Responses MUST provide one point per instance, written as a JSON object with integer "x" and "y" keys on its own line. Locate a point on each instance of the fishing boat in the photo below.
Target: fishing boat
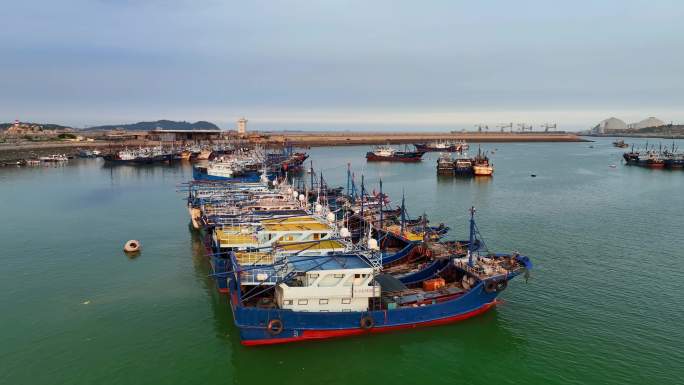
{"x": 442, "y": 146}
{"x": 463, "y": 166}
{"x": 347, "y": 294}
{"x": 141, "y": 155}
{"x": 620, "y": 144}
{"x": 389, "y": 154}
{"x": 481, "y": 165}
{"x": 54, "y": 158}
{"x": 85, "y": 153}
{"x": 204, "y": 154}
{"x": 445, "y": 165}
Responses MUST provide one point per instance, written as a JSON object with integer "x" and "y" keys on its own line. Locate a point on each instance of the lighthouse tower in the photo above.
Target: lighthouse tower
{"x": 242, "y": 126}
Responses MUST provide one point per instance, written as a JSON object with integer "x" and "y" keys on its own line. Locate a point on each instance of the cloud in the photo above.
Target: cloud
{"x": 299, "y": 59}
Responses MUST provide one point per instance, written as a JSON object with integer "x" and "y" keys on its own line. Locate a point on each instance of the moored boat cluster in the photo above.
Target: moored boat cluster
{"x": 655, "y": 158}
{"x": 306, "y": 261}
{"x": 463, "y": 165}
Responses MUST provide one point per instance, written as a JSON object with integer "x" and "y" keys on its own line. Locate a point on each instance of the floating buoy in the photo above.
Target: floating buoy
{"x": 132, "y": 246}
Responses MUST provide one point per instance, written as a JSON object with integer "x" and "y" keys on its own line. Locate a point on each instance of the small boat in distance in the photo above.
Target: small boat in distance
{"x": 481, "y": 165}
{"x": 620, "y": 144}
{"x": 445, "y": 165}
{"x": 54, "y": 158}
{"x": 442, "y": 146}
{"x": 389, "y": 154}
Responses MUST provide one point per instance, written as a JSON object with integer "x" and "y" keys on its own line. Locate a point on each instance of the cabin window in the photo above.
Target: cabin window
{"x": 346, "y": 301}
{"x": 302, "y": 302}
{"x": 330, "y": 280}
{"x": 287, "y": 302}
{"x": 313, "y": 276}
{"x": 357, "y": 275}
{"x": 338, "y": 275}
{"x": 323, "y": 301}
{"x": 316, "y": 236}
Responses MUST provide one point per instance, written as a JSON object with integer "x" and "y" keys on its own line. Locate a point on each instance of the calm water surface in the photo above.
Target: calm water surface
{"x": 604, "y": 304}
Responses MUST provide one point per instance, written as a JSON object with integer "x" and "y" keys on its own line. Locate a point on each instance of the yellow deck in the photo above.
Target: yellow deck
{"x": 313, "y": 226}
{"x": 288, "y": 220}
{"x": 410, "y": 235}
{"x": 254, "y": 258}
{"x": 228, "y": 237}
{"x": 322, "y": 245}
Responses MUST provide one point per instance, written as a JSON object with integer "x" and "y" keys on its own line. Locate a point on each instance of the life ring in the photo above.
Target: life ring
{"x": 132, "y": 246}
{"x": 490, "y": 286}
{"x": 367, "y": 322}
{"x": 274, "y": 327}
{"x": 501, "y": 285}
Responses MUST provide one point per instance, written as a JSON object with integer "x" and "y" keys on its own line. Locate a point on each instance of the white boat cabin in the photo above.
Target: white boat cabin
{"x": 330, "y": 290}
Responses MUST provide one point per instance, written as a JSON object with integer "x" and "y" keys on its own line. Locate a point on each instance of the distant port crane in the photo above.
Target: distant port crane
{"x": 547, "y": 126}
{"x": 481, "y": 126}
{"x": 524, "y": 126}
{"x": 503, "y": 126}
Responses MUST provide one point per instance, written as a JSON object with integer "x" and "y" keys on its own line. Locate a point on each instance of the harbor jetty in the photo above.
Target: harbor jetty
{"x": 349, "y": 138}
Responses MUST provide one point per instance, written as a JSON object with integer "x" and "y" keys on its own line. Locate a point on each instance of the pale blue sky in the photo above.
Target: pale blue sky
{"x": 342, "y": 64}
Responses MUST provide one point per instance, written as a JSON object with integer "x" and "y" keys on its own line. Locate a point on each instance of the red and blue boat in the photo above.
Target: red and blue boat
{"x": 340, "y": 295}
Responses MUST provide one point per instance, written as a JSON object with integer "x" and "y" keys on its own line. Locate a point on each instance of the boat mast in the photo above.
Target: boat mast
{"x": 403, "y": 212}
{"x": 471, "y": 238}
{"x": 348, "y": 177}
{"x": 382, "y": 202}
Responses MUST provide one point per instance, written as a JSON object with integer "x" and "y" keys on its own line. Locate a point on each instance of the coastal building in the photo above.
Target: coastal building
{"x": 242, "y": 126}
{"x": 610, "y": 124}
{"x": 651, "y": 121}
{"x": 616, "y": 125}
{"x": 204, "y": 136}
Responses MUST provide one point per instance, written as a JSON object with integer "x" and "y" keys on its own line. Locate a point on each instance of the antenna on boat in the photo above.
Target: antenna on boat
{"x": 312, "y": 175}
{"x": 348, "y": 177}
{"x": 471, "y": 239}
{"x": 403, "y": 212}
{"x": 362, "y": 196}
{"x": 382, "y": 201}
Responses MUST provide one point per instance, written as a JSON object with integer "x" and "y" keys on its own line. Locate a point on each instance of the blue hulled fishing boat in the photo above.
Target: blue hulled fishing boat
{"x": 336, "y": 295}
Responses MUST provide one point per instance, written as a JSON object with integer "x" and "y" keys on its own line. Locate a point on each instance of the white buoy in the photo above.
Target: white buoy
{"x": 132, "y": 246}
{"x": 318, "y": 208}
{"x": 331, "y": 217}
{"x": 344, "y": 232}
{"x": 373, "y": 244}
{"x": 295, "y": 193}
{"x": 302, "y": 198}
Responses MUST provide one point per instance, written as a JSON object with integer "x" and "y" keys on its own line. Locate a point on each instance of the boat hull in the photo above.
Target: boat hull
{"x": 303, "y": 326}
{"x": 397, "y": 157}
{"x": 321, "y": 334}
{"x": 198, "y": 174}
{"x": 483, "y": 170}
{"x": 427, "y": 148}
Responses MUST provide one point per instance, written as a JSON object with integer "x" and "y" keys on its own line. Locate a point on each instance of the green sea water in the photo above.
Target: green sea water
{"x": 604, "y": 304}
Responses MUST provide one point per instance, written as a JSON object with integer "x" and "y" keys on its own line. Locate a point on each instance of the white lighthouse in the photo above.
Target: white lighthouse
{"x": 242, "y": 126}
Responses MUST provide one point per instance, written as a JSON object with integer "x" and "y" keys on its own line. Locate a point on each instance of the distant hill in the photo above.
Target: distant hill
{"x": 44, "y": 126}
{"x": 159, "y": 124}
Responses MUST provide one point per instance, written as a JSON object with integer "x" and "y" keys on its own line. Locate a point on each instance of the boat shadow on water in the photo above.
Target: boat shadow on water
{"x": 395, "y": 355}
